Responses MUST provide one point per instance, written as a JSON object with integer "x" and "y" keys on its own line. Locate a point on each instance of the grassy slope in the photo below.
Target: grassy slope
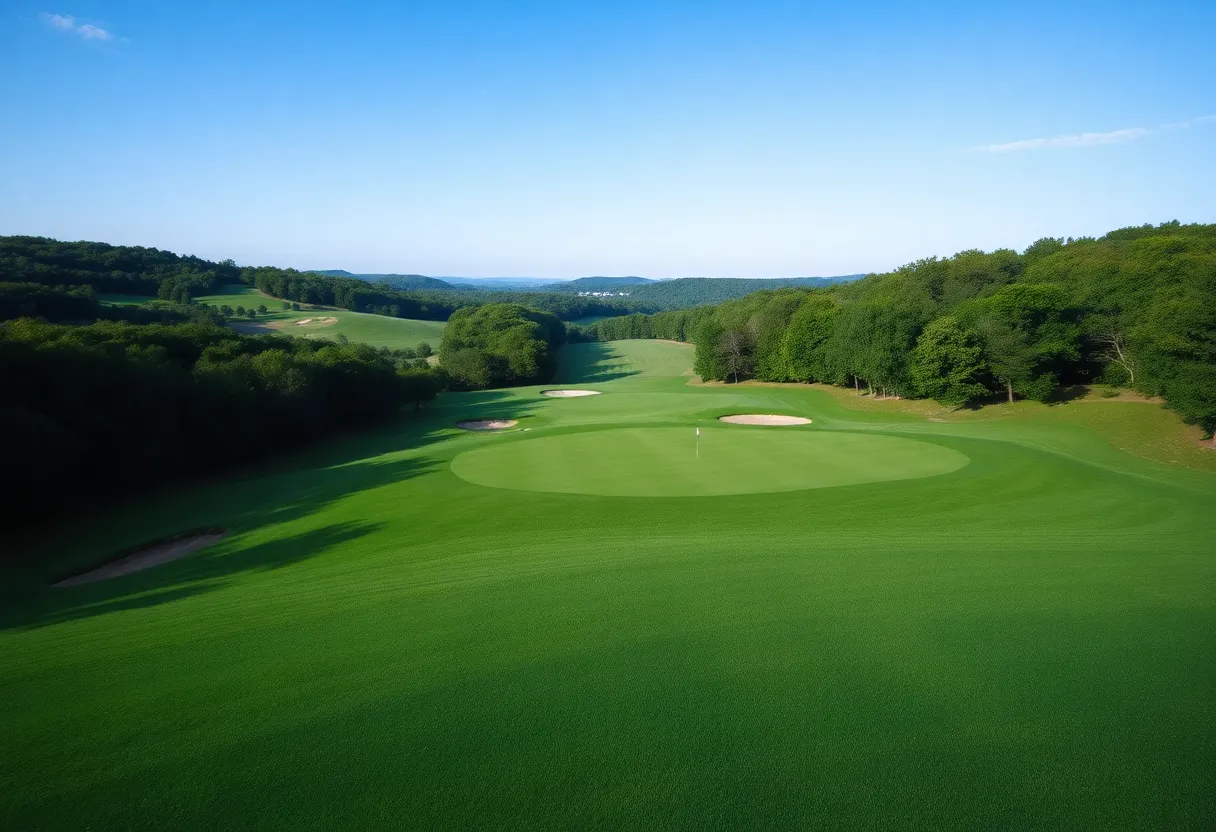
{"x": 1138, "y": 427}
{"x": 377, "y": 330}
{"x": 1025, "y": 642}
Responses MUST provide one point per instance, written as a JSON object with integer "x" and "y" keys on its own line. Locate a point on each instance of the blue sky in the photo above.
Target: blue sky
{"x": 564, "y": 139}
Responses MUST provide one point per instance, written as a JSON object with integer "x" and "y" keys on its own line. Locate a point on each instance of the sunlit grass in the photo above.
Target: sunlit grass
{"x": 1022, "y": 642}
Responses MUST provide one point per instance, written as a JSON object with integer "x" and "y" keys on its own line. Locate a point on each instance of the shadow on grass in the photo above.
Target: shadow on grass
{"x": 279, "y": 491}
{"x": 591, "y": 363}
{"x": 1068, "y": 393}
{"x": 204, "y": 571}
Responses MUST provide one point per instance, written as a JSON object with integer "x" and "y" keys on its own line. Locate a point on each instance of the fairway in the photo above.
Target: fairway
{"x": 673, "y": 462}
{"x": 376, "y": 330}
{"x": 992, "y": 620}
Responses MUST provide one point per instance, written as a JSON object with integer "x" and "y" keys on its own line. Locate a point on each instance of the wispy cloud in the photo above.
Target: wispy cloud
{"x": 1129, "y": 134}
{"x": 67, "y": 23}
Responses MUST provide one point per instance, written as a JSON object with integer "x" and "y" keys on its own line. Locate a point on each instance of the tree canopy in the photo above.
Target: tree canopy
{"x": 500, "y": 344}
{"x": 1136, "y": 307}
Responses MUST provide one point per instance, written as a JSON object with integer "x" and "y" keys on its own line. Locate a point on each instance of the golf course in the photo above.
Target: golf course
{"x": 619, "y": 611}
{"x": 314, "y": 322}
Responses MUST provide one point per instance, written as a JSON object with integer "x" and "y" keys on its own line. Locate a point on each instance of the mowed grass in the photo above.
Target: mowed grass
{"x": 377, "y": 330}
{"x": 677, "y": 462}
{"x": 1023, "y": 642}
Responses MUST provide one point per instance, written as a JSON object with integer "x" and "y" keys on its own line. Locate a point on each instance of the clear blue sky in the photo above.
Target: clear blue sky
{"x": 565, "y": 139}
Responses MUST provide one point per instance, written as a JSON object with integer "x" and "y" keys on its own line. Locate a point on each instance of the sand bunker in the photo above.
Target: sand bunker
{"x": 147, "y": 556}
{"x": 763, "y": 419}
{"x": 323, "y": 321}
{"x": 487, "y": 424}
{"x": 569, "y": 394}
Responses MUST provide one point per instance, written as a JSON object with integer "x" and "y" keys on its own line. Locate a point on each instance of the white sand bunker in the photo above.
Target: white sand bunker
{"x": 486, "y": 424}
{"x": 323, "y": 321}
{"x": 569, "y": 394}
{"x": 763, "y": 419}
{"x": 148, "y": 556}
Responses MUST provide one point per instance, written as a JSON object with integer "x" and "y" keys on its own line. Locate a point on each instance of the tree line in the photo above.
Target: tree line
{"x": 128, "y": 270}
{"x": 1133, "y": 308}
{"x": 115, "y": 406}
{"x": 358, "y": 295}
{"x": 80, "y": 304}
{"x": 137, "y": 270}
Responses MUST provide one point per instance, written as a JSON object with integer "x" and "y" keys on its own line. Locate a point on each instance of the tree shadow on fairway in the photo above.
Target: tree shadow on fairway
{"x": 207, "y": 570}
{"x": 276, "y": 493}
{"x": 591, "y": 364}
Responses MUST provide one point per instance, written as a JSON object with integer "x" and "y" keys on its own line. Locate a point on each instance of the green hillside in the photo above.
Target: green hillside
{"x": 377, "y": 330}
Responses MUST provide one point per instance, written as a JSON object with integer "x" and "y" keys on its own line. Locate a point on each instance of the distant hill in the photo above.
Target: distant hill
{"x": 393, "y": 281}
{"x": 653, "y": 295}
{"x": 599, "y": 284}
{"x": 683, "y": 292}
{"x": 502, "y": 283}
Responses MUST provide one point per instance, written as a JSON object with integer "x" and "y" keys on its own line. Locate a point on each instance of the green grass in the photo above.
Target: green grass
{"x": 377, "y": 330}
{"x": 675, "y": 462}
{"x": 1023, "y": 642}
{"x": 125, "y": 300}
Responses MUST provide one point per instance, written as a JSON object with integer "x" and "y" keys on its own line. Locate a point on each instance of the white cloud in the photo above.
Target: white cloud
{"x": 90, "y": 32}
{"x": 68, "y": 24}
{"x": 1129, "y": 134}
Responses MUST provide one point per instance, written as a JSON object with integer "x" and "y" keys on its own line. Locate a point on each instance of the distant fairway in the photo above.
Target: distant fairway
{"x": 377, "y": 330}
{"x": 1000, "y": 620}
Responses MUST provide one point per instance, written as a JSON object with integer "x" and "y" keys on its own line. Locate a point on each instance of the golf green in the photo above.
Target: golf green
{"x": 676, "y": 462}
{"x": 619, "y": 635}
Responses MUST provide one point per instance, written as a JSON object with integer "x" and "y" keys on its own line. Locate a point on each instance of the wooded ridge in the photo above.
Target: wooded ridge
{"x": 1134, "y": 308}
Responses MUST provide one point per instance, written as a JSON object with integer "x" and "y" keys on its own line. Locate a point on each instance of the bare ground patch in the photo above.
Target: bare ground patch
{"x": 771, "y": 419}
{"x": 487, "y": 424}
{"x": 147, "y": 556}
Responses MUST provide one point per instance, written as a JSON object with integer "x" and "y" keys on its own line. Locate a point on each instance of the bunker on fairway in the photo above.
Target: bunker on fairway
{"x": 770, "y": 419}
{"x": 664, "y": 462}
{"x": 147, "y": 556}
{"x": 569, "y": 394}
{"x": 486, "y": 424}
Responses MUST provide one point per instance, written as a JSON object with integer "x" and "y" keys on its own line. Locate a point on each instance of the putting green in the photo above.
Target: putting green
{"x": 663, "y": 462}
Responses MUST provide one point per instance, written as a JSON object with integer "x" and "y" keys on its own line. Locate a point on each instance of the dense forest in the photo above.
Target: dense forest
{"x": 128, "y": 270}
{"x": 90, "y": 412}
{"x": 1135, "y": 308}
{"x": 500, "y": 344}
